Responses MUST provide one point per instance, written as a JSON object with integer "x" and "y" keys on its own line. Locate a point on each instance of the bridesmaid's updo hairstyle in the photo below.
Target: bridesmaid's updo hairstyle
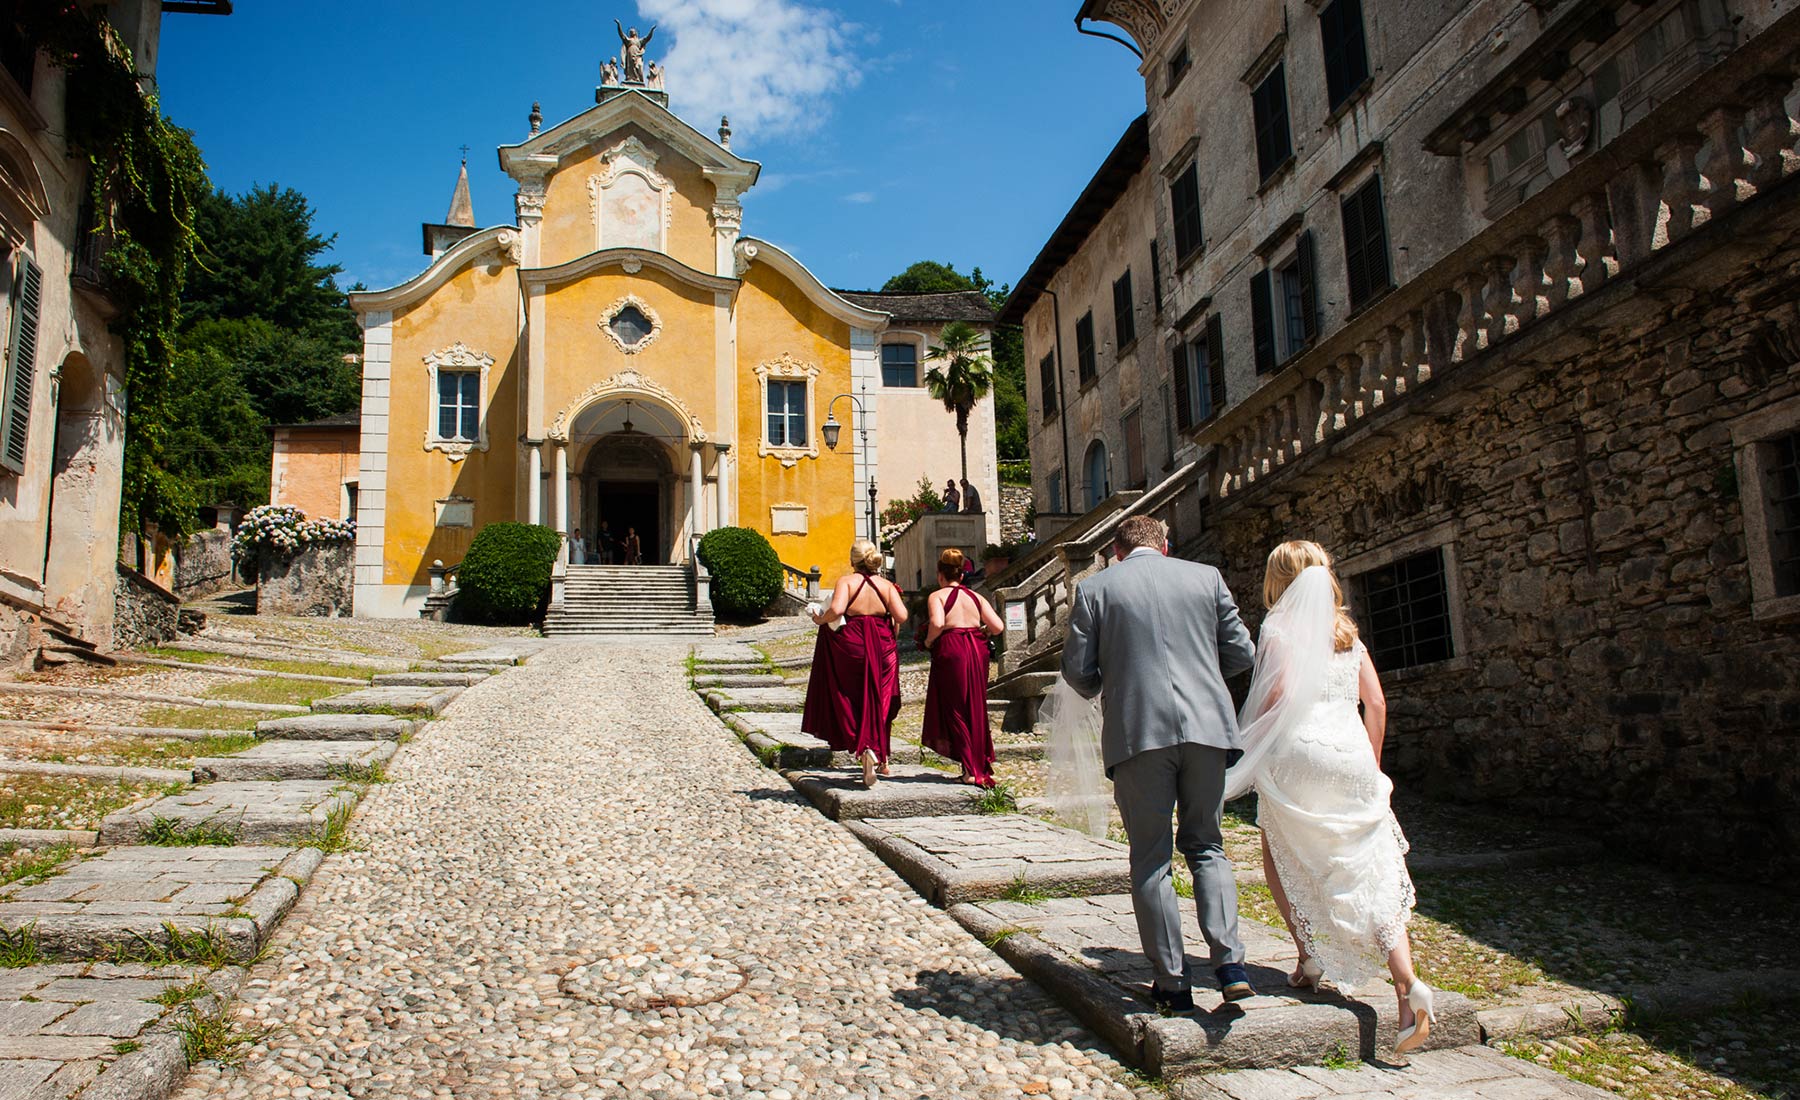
{"x": 1286, "y": 562}
{"x": 950, "y": 564}
{"x": 865, "y": 557}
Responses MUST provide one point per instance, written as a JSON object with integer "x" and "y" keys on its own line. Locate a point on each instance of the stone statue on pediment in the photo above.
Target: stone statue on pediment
{"x": 631, "y": 51}
{"x": 653, "y": 76}
{"x": 609, "y": 72}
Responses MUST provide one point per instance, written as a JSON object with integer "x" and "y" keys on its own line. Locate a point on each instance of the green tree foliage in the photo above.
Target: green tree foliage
{"x": 267, "y": 337}
{"x": 1007, "y": 347}
{"x": 746, "y": 573}
{"x": 505, "y": 575}
{"x": 963, "y": 377}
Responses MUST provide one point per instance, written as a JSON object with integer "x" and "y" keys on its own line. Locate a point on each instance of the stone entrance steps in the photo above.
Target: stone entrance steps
{"x": 626, "y": 599}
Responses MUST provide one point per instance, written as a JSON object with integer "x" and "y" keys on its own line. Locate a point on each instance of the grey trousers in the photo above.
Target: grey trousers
{"x": 1148, "y": 788}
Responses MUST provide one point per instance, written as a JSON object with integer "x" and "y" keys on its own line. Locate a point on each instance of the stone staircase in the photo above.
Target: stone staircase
{"x": 626, "y": 600}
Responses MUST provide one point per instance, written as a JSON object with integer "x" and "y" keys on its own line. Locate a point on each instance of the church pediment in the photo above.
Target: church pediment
{"x": 599, "y": 127}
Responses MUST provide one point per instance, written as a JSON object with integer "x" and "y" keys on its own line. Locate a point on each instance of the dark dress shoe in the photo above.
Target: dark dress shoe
{"x": 1234, "y": 982}
{"x": 1172, "y": 1001}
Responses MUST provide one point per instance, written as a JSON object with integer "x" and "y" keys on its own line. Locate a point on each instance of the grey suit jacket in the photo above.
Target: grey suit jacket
{"x": 1159, "y": 635}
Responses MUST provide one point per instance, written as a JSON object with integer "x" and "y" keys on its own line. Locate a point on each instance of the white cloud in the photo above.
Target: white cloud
{"x": 860, "y": 196}
{"x": 772, "y": 65}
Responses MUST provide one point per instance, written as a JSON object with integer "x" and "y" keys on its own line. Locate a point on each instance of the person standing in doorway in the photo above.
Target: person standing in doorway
{"x": 634, "y": 550}
{"x": 603, "y": 543}
{"x": 1155, "y": 637}
{"x": 577, "y": 548}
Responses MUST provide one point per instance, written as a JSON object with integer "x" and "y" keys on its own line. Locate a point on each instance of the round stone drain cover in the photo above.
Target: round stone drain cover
{"x": 647, "y": 982}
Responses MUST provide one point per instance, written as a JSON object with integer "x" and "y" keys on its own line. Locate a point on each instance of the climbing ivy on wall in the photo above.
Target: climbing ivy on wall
{"x": 145, "y": 178}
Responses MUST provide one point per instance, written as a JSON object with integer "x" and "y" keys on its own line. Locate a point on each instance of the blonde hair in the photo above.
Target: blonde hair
{"x": 866, "y": 557}
{"x": 1286, "y": 562}
{"x": 950, "y": 563}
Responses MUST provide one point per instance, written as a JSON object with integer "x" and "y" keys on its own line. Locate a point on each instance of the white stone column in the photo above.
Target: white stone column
{"x": 696, "y": 487}
{"x": 562, "y": 487}
{"x": 727, "y": 509}
{"x": 534, "y": 475}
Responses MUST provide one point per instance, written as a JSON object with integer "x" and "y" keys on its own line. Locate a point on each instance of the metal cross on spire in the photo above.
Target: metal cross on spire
{"x": 465, "y": 153}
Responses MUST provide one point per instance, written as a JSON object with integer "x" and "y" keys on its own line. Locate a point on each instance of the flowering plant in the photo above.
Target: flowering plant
{"x": 285, "y": 529}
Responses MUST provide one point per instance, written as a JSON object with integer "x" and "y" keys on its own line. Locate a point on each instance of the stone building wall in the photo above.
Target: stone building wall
{"x": 203, "y": 564}
{"x": 316, "y": 582}
{"x": 1610, "y": 663}
{"x": 144, "y": 612}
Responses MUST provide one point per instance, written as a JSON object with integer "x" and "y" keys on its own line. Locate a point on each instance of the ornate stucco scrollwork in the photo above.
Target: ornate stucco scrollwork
{"x": 631, "y": 301}
{"x": 457, "y": 357}
{"x": 786, "y": 368}
{"x": 626, "y": 383}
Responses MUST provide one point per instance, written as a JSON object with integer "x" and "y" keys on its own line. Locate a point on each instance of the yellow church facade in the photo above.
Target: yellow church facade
{"x": 624, "y": 355}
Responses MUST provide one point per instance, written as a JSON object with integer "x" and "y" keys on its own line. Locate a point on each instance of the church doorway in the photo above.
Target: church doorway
{"x": 628, "y": 481}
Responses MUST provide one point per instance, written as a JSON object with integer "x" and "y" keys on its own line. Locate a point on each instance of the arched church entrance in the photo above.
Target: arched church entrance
{"x": 628, "y": 484}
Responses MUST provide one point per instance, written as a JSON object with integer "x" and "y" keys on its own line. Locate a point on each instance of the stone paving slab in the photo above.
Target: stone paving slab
{"x": 909, "y": 792}
{"x": 126, "y": 897}
{"x": 417, "y": 702}
{"x": 49, "y": 838}
{"x": 337, "y": 727}
{"x": 291, "y": 811}
{"x": 979, "y": 857}
{"x": 115, "y": 773}
{"x": 776, "y": 739}
{"x": 428, "y": 679}
{"x": 505, "y": 653}
{"x": 765, "y": 699}
{"x": 708, "y": 653}
{"x": 295, "y": 760}
{"x": 1466, "y": 1073}
{"x": 1086, "y": 952}
{"x": 95, "y": 1029}
{"x": 740, "y": 680}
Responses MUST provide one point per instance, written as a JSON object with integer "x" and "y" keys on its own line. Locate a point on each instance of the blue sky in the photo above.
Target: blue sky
{"x": 888, "y": 130}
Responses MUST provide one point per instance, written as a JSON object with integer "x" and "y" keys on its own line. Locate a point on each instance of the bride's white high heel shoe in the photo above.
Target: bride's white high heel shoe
{"x": 1418, "y": 998}
{"x": 1310, "y": 973}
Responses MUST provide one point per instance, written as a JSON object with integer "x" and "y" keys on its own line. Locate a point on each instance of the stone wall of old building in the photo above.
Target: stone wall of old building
{"x": 203, "y": 564}
{"x": 317, "y": 581}
{"x": 144, "y": 612}
{"x": 1610, "y": 664}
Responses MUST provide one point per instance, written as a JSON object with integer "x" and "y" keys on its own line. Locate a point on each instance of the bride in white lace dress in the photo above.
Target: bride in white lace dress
{"x": 1334, "y": 855}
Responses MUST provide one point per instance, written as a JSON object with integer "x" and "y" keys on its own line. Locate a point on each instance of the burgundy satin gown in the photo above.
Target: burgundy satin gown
{"x": 853, "y": 694}
{"x": 956, "y": 714}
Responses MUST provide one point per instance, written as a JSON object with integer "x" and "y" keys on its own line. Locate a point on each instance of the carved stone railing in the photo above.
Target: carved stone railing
{"x": 443, "y": 591}
{"x": 699, "y": 580}
{"x": 802, "y": 584}
{"x": 1046, "y": 593}
{"x": 1727, "y": 139}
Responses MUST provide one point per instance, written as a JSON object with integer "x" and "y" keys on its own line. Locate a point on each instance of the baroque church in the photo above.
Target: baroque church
{"x": 624, "y": 354}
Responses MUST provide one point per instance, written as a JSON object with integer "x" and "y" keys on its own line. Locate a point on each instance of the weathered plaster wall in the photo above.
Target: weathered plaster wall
{"x": 568, "y": 227}
{"x": 316, "y": 582}
{"x": 310, "y": 468}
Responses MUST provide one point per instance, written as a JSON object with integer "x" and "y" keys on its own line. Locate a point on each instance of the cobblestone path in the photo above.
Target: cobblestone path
{"x": 578, "y": 883}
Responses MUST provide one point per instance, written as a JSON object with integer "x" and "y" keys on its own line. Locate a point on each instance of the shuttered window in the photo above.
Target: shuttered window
{"x": 1184, "y": 202}
{"x": 1131, "y": 426}
{"x": 1346, "y": 53}
{"x": 1262, "y": 321}
{"x": 1274, "y": 144}
{"x": 1214, "y": 376}
{"x": 1184, "y": 387}
{"x": 1199, "y": 373}
{"x": 1365, "y": 244}
{"x": 1047, "y": 384}
{"x": 1306, "y": 268}
{"x": 21, "y": 363}
{"x": 1124, "y": 320}
{"x": 1085, "y": 368}
{"x": 1156, "y": 275}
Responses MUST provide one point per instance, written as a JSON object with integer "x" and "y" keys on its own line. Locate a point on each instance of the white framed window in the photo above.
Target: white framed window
{"x": 458, "y": 384}
{"x": 788, "y": 397}
{"x": 1768, "y": 473}
{"x": 631, "y": 324}
{"x": 900, "y": 364}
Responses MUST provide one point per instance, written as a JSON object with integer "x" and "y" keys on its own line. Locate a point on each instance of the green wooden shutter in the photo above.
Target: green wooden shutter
{"x": 1215, "y": 366}
{"x": 1262, "y": 321}
{"x": 1309, "y": 286}
{"x": 1184, "y": 404}
{"x": 21, "y": 365}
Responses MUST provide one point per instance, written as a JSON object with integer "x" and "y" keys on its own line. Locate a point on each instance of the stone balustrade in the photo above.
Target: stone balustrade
{"x": 1726, "y": 140}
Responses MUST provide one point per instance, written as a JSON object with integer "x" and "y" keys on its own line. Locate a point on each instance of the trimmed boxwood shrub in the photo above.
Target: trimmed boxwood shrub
{"x": 505, "y": 576}
{"x": 746, "y": 574}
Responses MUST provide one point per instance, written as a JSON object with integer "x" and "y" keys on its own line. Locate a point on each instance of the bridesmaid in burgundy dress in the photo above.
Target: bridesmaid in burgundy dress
{"x": 956, "y": 716}
{"x": 853, "y": 693}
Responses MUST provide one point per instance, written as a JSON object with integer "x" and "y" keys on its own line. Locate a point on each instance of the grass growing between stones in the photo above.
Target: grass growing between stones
{"x": 199, "y": 718}
{"x": 264, "y": 664}
{"x": 63, "y": 802}
{"x": 363, "y": 774}
{"x": 20, "y": 948}
{"x": 1001, "y": 936}
{"x": 1748, "y": 1052}
{"x": 168, "y": 832}
{"x": 25, "y": 867}
{"x": 182, "y": 994}
{"x": 204, "y": 947}
{"x": 1020, "y": 890}
{"x": 209, "y": 1035}
{"x": 139, "y": 752}
{"x": 998, "y": 799}
{"x": 335, "y": 837}
{"x": 294, "y": 692}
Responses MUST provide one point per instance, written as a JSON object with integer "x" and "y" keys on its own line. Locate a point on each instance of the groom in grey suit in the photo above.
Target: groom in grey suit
{"x": 1159, "y": 635}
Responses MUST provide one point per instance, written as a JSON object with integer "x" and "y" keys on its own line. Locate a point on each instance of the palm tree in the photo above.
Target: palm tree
{"x": 965, "y": 378}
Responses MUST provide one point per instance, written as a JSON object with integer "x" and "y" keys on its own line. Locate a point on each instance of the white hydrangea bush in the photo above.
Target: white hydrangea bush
{"x": 284, "y": 529}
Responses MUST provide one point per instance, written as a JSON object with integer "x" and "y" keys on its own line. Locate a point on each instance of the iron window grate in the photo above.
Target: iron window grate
{"x": 1784, "y": 514}
{"x": 1406, "y": 605}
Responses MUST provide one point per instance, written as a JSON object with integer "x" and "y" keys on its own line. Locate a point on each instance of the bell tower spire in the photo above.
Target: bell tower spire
{"x": 460, "y": 221}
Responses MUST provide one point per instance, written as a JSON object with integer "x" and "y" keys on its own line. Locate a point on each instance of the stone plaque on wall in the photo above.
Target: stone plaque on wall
{"x": 456, "y": 512}
{"x": 787, "y": 519}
